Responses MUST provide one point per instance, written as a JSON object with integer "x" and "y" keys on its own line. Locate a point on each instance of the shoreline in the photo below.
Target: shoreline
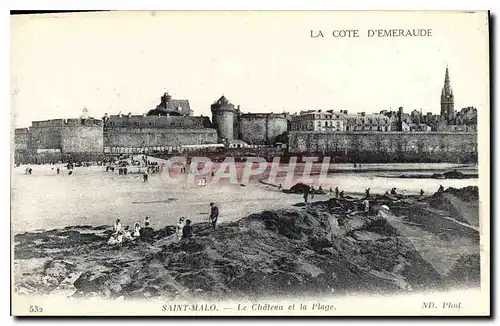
{"x": 272, "y": 252}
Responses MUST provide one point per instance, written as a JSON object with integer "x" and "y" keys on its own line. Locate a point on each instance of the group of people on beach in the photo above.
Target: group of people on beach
{"x": 121, "y": 235}
{"x": 183, "y": 229}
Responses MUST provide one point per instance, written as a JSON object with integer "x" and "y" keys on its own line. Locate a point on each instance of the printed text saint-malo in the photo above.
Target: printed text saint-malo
{"x": 354, "y": 33}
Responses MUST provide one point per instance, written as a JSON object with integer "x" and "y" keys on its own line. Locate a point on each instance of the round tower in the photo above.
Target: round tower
{"x": 223, "y": 113}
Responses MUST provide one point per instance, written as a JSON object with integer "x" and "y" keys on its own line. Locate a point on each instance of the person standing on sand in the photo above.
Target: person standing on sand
{"x": 214, "y": 215}
{"x": 179, "y": 227}
{"x": 58, "y": 170}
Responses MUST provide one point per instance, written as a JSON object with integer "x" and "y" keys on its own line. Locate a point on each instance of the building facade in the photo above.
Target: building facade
{"x": 367, "y": 122}
{"x": 318, "y": 120}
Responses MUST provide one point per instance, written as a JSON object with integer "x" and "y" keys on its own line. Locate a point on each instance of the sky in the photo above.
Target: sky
{"x": 263, "y": 61}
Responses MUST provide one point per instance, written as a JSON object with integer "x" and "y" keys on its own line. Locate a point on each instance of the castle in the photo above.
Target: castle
{"x": 171, "y": 127}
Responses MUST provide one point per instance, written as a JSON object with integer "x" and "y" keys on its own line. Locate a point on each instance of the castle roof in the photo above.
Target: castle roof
{"x": 171, "y": 106}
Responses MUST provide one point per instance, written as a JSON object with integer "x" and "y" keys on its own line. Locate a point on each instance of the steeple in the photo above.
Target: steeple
{"x": 447, "y": 98}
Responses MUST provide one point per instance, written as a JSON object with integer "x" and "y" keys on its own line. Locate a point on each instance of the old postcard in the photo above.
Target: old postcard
{"x": 250, "y": 163}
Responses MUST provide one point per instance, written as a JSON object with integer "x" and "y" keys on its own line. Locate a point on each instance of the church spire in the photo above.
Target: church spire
{"x": 447, "y": 98}
{"x": 447, "y": 85}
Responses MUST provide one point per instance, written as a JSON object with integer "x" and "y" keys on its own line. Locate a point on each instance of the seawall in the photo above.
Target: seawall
{"x": 388, "y": 146}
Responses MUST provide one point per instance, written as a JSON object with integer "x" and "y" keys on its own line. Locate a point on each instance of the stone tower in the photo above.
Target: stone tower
{"x": 447, "y": 99}
{"x": 223, "y": 113}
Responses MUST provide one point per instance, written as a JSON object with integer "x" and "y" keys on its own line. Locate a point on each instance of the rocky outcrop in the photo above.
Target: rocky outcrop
{"x": 322, "y": 248}
{"x": 465, "y": 272}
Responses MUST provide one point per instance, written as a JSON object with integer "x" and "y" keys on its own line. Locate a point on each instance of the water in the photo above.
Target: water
{"x": 91, "y": 196}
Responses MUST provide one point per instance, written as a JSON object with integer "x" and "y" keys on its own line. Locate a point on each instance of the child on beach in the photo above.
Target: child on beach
{"x": 137, "y": 228}
{"x": 127, "y": 235}
{"x": 118, "y": 226}
{"x": 116, "y": 239}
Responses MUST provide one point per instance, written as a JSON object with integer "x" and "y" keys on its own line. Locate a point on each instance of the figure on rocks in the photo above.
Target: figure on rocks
{"x": 336, "y": 192}
{"x": 179, "y": 227}
{"x": 383, "y": 211}
{"x": 214, "y": 215}
{"x": 118, "y": 226}
{"x": 116, "y": 239}
{"x": 421, "y": 192}
{"x": 441, "y": 188}
{"x": 334, "y": 227}
{"x": 146, "y": 232}
{"x": 187, "y": 230}
{"x": 367, "y": 192}
{"x": 366, "y": 205}
{"x": 306, "y": 194}
{"x": 137, "y": 229}
{"x": 127, "y": 235}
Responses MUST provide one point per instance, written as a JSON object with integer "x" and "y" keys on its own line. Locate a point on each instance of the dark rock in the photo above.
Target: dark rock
{"x": 466, "y": 271}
